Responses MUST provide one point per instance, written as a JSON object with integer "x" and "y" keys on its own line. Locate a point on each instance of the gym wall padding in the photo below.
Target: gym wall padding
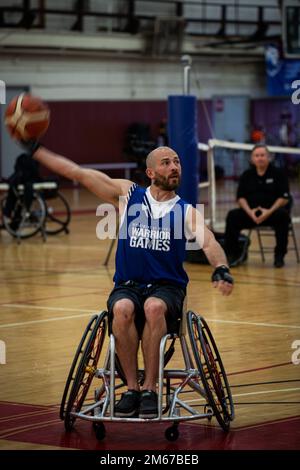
{"x": 183, "y": 138}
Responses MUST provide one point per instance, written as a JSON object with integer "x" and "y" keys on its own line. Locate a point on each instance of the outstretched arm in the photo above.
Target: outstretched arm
{"x": 95, "y": 181}
{"x": 214, "y": 252}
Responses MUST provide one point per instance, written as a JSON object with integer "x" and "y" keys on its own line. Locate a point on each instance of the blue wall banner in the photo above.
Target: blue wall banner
{"x": 281, "y": 73}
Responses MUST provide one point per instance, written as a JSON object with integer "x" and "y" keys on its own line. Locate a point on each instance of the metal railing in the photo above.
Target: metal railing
{"x": 137, "y": 18}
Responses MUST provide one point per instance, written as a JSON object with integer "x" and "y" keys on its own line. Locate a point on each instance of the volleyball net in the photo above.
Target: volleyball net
{"x": 223, "y": 162}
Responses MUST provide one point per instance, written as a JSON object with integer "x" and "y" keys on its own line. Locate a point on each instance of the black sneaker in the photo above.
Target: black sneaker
{"x": 128, "y": 405}
{"x": 278, "y": 261}
{"x": 148, "y": 404}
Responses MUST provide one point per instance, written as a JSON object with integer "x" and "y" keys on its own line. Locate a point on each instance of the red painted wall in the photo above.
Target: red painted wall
{"x": 93, "y": 132}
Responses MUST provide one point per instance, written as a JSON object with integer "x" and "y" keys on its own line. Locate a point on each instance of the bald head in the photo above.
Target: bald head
{"x": 163, "y": 168}
{"x": 157, "y": 154}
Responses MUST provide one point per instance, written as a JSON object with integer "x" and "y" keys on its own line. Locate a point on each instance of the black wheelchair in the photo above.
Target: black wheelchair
{"x": 49, "y": 212}
{"x": 198, "y": 391}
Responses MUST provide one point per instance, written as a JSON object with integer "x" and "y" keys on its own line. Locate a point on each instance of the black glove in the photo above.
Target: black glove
{"x": 30, "y": 146}
{"x": 222, "y": 273}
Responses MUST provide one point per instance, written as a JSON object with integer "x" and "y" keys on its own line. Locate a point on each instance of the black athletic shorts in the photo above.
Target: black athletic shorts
{"x": 172, "y": 295}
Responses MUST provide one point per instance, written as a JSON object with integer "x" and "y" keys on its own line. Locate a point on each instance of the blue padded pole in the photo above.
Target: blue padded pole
{"x": 183, "y": 138}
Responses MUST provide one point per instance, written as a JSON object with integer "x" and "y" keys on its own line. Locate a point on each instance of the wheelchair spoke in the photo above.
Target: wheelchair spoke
{"x": 58, "y": 215}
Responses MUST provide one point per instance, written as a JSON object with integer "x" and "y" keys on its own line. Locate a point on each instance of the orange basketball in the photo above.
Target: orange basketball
{"x": 27, "y": 117}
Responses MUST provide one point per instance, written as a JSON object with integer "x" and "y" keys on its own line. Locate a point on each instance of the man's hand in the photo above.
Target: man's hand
{"x": 223, "y": 280}
{"x": 265, "y": 213}
{"x": 252, "y": 214}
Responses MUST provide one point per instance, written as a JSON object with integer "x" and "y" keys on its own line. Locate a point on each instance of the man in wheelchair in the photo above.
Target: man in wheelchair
{"x": 150, "y": 281}
{"x": 26, "y": 172}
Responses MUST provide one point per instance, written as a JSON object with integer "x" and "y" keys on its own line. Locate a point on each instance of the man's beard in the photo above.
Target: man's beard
{"x": 165, "y": 183}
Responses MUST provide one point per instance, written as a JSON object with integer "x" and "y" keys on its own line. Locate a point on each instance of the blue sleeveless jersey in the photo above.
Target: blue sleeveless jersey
{"x": 151, "y": 249}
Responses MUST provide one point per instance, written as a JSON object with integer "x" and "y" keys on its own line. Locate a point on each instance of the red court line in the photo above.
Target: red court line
{"x": 84, "y": 212}
{"x": 19, "y": 405}
{"x": 18, "y": 416}
{"x": 273, "y": 421}
{"x": 259, "y": 368}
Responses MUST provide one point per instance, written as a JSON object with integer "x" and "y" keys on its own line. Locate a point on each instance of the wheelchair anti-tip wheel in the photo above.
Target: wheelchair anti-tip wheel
{"x": 211, "y": 370}
{"x": 172, "y": 433}
{"x": 99, "y": 429}
{"x": 83, "y": 368}
{"x": 23, "y": 223}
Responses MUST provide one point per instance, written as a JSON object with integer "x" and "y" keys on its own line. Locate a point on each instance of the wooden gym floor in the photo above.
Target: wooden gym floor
{"x": 49, "y": 291}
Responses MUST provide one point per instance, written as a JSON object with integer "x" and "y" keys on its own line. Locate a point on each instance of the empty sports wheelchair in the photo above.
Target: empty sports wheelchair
{"x": 199, "y": 390}
{"x": 49, "y": 211}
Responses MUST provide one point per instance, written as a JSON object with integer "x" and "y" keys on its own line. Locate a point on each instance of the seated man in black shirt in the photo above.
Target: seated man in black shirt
{"x": 263, "y": 195}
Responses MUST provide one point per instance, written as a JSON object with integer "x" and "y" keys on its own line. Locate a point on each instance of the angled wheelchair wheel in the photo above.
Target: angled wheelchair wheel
{"x": 83, "y": 368}
{"x": 211, "y": 369}
{"x": 23, "y": 223}
{"x": 58, "y": 215}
